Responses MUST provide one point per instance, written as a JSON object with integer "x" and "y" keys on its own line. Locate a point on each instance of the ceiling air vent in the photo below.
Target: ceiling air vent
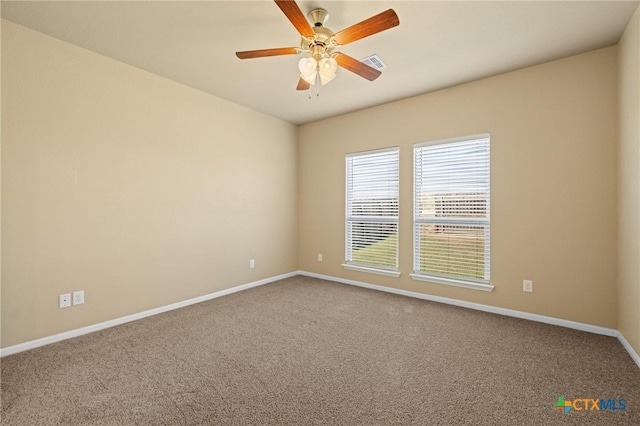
{"x": 374, "y": 61}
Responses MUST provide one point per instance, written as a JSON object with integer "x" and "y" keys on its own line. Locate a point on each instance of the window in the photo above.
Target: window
{"x": 451, "y": 212}
{"x": 372, "y": 212}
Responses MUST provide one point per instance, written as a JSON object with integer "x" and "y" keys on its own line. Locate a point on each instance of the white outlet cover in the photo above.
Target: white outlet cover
{"x": 252, "y": 263}
{"x": 319, "y": 257}
{"x": 78, "y": 297}
{"x": 64, "y": 300}
{"x": 527, "y": 285}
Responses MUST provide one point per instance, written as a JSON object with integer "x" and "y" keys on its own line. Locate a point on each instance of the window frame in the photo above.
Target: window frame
{"x": 361, "y": 267}
{"x": 464, "y": 282}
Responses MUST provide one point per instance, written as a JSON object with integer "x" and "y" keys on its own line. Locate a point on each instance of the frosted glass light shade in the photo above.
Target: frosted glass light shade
{"x": 308, "y": 69}
{"x": 327, "y": 68}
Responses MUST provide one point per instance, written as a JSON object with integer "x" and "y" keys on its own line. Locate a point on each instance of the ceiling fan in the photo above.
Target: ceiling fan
{"x": 319, "y": 43}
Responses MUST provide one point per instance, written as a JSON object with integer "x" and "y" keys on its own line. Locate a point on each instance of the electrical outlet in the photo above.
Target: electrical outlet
{"x": 527, "y": 286}
{"x": 78, "y": 297}
{"x": 64, "y": 300}
{"x": 252, "y": 264}
{"x": 319, "y": 257}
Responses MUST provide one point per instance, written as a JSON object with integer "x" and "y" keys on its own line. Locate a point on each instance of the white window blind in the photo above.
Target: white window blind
{"x": 372, "y": 209}
{"x": 451, "y": 209}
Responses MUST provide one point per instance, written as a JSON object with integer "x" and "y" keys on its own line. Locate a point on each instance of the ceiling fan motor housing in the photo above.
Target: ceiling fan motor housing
{"x": 321, "y": 43}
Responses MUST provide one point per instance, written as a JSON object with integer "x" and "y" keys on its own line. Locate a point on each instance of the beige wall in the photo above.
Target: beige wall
{"x": 629, "y": 185}
{"x": 1, "y": 21}
{"x": 553, "y": 169}
{"x": 138, "y": 190}
{"x": 144, "y": 192}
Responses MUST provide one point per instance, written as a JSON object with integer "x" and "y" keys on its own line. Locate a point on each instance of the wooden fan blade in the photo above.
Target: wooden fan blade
{"x": 375, "y": 24}
{"x": 355, "y": 66}
{"x": 303, "y": 84}
{"x": 295, "y": 15}
{"x": 249, "y": 54}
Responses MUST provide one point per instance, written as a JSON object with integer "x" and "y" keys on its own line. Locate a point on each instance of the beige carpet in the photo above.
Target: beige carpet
{"x": 304, "y": 351}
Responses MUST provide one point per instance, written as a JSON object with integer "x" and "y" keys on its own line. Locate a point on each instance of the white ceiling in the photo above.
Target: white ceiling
{"x": 437, "y": 45}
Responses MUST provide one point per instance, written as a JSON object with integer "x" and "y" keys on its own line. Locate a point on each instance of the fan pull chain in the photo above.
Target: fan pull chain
{"x": 318, "y": 84}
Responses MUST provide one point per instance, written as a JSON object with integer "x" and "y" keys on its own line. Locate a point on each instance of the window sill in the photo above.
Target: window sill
{"x": 449, "y": 281}
{"x": 372, "y": 270}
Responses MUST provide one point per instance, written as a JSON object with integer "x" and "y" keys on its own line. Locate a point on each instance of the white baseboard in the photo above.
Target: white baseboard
{"x": 629, "y": 348}
{"x": 10, "y": 350}
{"x": 596, "y": 329}
{"x": 477, "y": 306}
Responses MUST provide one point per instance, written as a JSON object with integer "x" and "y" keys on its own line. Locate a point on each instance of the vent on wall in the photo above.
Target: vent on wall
{"x": 374, "y": 61}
